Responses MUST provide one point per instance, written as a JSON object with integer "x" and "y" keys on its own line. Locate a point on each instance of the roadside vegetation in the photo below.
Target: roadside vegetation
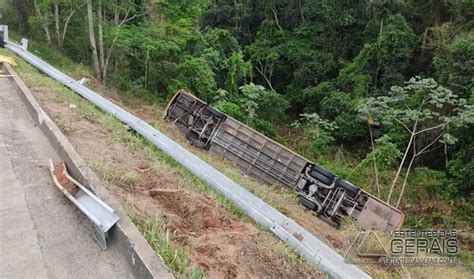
{"x": 379, "y": 92}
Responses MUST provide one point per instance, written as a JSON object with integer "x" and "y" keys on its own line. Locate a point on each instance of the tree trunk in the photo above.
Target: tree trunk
{"x": 101, "y": 42}
{"x": 375, "y": 162}
{"x": 109, "y": 52}
{"x": 301, "y": 11}
{"x": 44, "y": 21}
{"x": 381, "y": 28}
{"x": 236, "y": 14}
{"x": 406, "y": 176}
{"x": 446, "y": 160}
{"x": 95, "y": 57}
{"x": 276, "y": 18}
{"x": 66, "y": 24}
{"x": 146, "y": 67}
{"x": 56, "y": 23}
{"x": 400, "y": 167}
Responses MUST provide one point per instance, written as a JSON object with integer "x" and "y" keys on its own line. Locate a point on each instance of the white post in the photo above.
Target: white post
{"x": 4, "y": 29}
{"x": 24, "y": 44}
{"x": 83, "y": 81}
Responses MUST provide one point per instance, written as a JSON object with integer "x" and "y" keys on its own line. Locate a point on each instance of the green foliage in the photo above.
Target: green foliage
{"x": 312, "y": 96}
{"x": 385, "y": 60}
{"x": 454, "y": 64}
{"x": 423, "y": 109}
{"x": 386, "y": 153}
{"x": 338, "y": 107}
{"x": 317, "y": 130}
{"x": 222, "y": 41}
{"x": 257, "y": 101}
{"x": 251, "y": 93}
{"x": 232, "y": 110}
{"x": 196, "y": 75}
{"x": 422, "y": 105}
{"x": 272, "y": 107}
{"x": 427, "y": 183}
{"x": 227, "y": 61}
{"x": 239, "y": 72}
{"x": 265, "y": 127}
{"x": 460, "y": 172}
{"x": 144, "y": 56}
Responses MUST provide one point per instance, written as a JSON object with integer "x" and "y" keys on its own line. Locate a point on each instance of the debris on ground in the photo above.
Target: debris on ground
{"x": 63, "y": 180}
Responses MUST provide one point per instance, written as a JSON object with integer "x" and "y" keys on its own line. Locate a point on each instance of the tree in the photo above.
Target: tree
{"x": 426, "y": 112}
{"x": 317, "y": 130}
{"x": 196, "y": 75}
{"x": 239, "y": 72}
{"x": 123, "y": 12}
{"x": 382, "y": 63}
{"x": 264, "y": 52}
{"x": 381, "y": 10}
{"x": 61, "y": 12}
{"x": 251, "y": 93}
{"x": 44, "y": 19}
{"x": 227, "y": 60}
{"x": 338, "y": 107}
{"x": 383, "y": 155}
{"x": 93, "y": 45}
{"x": 454, "y": 63}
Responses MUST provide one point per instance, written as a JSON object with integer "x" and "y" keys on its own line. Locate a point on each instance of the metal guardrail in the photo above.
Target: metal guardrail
{"x": 305, "y": 243}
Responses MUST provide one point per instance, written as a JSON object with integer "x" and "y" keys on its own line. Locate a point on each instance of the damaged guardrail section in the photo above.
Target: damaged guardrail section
{"x": 305, "y": 243}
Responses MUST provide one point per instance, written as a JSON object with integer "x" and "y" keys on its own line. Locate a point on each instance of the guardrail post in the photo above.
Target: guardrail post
{"x": 83, "y": 81}
{"x": 4, "y": 30}
{"x": 24, "y": 44}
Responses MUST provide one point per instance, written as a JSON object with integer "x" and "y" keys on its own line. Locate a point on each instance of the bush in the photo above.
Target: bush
{"x": 196, "y": 75}
{"x": 264, "y": 127}
{"x": 317, "y": 131}
{"x": 232, "y": 110}
{"x": 426, "y": 184}
{"x": 313, "y": 95}
{"x": 338, "y": 107}
{"x": 460, "y": 172}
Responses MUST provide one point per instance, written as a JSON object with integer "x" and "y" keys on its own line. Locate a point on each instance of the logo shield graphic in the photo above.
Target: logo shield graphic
{"x": 368, "y": 247}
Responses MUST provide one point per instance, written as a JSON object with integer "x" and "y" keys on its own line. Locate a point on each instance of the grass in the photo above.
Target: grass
{"x": 115, "y": 175}
{"x": 159, "y": 239}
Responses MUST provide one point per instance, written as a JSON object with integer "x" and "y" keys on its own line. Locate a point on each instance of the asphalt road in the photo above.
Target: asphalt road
{"x": 42, "y": 234}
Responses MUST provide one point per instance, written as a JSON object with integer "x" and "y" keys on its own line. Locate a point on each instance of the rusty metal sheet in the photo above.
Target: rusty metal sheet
{"x": 378, "y": 215}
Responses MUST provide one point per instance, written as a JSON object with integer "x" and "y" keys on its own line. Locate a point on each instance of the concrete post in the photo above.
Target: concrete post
{"x": 4, "y": 30}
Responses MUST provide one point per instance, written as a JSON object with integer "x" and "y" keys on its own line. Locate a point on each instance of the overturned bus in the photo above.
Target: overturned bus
{"x": 331, "y": 197}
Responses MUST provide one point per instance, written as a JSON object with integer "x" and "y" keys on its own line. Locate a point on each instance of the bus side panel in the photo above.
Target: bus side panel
{"x": 378, "y": 215}
{"x": 257, "y": 155}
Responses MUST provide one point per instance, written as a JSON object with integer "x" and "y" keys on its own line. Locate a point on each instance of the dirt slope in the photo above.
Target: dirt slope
{"x": 223, "y": 246}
